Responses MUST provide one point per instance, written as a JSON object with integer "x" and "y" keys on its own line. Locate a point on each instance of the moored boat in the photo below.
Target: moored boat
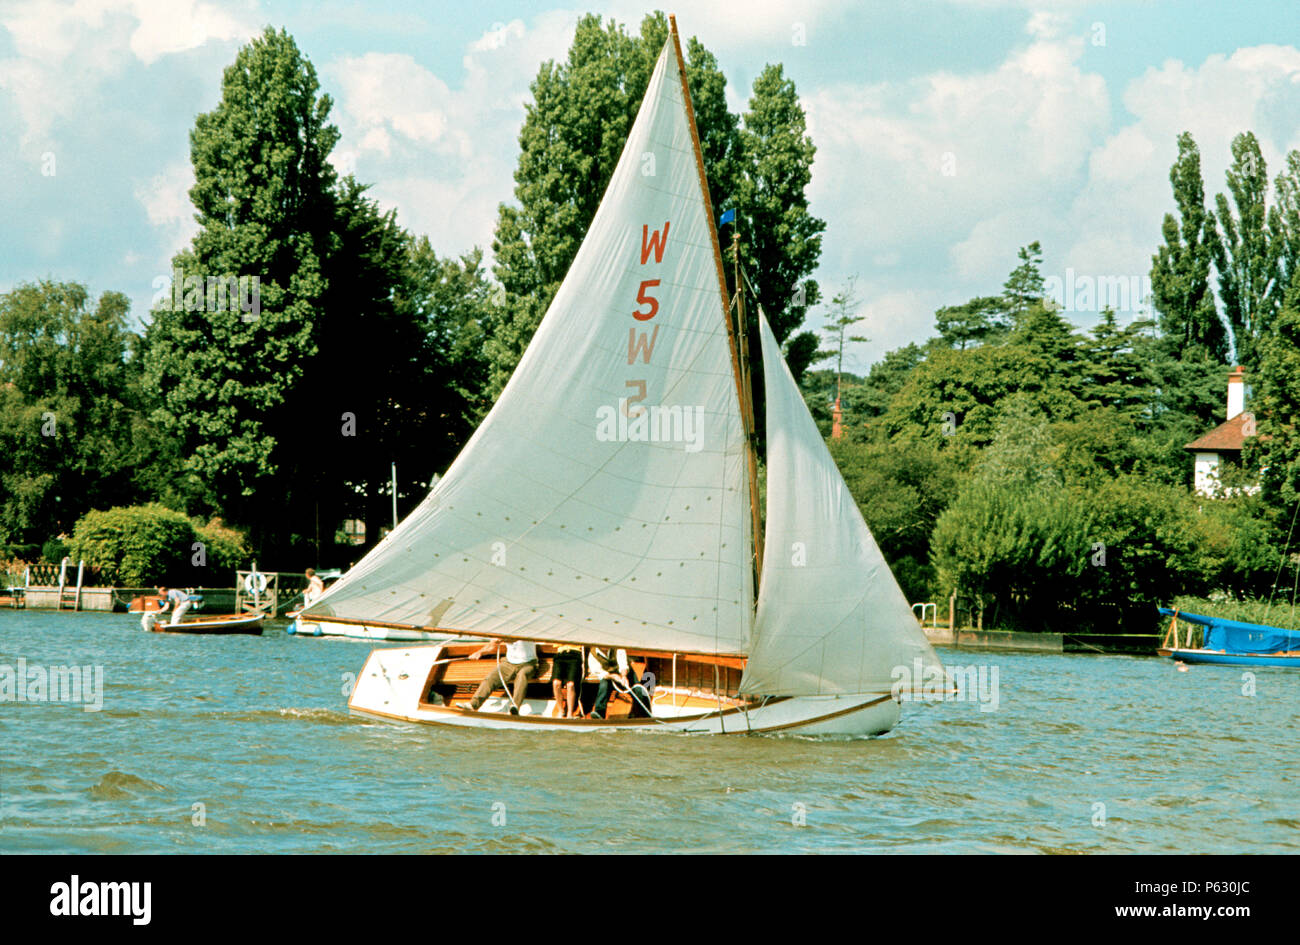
{"x": 361, "y": 631}
{"x": 1228, "y": 642}
{"x": 610, "y": 499}
{"x": 214, "y": 624}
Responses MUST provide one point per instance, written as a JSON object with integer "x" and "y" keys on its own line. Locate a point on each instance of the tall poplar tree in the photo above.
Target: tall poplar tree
{"x": 263, "y": 201}
{"x": 782, "y": 240}
{"x": 1244, "y": 255}
{"x": 1284, "y": 222}
{"x": 1180, "y": 268}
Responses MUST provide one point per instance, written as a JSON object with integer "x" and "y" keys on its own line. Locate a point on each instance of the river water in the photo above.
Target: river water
{"x": 244, "y": 744}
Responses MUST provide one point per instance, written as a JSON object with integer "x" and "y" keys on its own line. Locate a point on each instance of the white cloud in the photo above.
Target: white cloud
{"x": 172, "y": 26}
{"x": 166, "y": 202}
{"x": 955, "y": 172}
{"x": 958, "y": 164}
{"x": 442, "y": 148}
{"x": 1115, "y": 217}
{"x": 444, "y": 155}
{"x": 63, "y": 51}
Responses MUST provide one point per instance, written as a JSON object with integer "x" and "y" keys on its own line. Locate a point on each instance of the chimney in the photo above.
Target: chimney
{"x": 1236, "y": 392}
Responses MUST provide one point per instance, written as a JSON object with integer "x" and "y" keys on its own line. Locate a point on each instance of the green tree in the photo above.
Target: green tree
{"x": 1180, "y": 269}
{"x": 887, "y": 377}
{"x": 842, "y": 317}
{"x": 1024, "y": 287}
{"x": 1284, "y": 222}
{"x": 1115, "y": 372}
{"x": 1276, "y": 448}
{"x": 370, "y": 364}
{"x": 453, "y": 300}
{"x": 781, "y": 239}
{"x": 1013, "y": 529}
{"x": 1244, "y": 254}
{"x": 72, "y": 431}
{"x": 223, "y": 373}
{"x": 978, "y": 321}
{"x": 1146, "y": 543}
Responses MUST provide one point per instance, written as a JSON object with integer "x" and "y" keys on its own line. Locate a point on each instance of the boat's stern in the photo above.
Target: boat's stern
{"x": 392, "y": 681}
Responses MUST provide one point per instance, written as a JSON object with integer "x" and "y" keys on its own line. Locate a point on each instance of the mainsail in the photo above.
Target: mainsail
{"x": 831, "y": 618}
{"x": 604, "y": 499}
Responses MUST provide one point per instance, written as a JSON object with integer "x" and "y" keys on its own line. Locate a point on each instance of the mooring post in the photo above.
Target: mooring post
{"x": 63, "y": 581}
{"x": 81, "y": 567}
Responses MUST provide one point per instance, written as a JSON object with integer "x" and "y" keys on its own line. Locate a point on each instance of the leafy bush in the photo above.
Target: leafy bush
{"x": 1147, "y": 543}
{"x": 226, "y": 548}
{"x": 140, "y": 546}
{"x": 1277, "y": 613}
{"x": 21, "y": 552}
{"x": 1002, "y": 545}
{"x": 54, "y": 550}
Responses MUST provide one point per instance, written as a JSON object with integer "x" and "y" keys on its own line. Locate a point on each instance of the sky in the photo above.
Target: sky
{"x": 948, "y": 132}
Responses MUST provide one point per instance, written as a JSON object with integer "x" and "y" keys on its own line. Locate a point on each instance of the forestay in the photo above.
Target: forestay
{"x": 831, "y": 618}
{"x": 604, "y": 498}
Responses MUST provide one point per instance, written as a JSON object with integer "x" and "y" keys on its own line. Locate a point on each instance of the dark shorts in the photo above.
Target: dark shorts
{"x": 567, "y": 667}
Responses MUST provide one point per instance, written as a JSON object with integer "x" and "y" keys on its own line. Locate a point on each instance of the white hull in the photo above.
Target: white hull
{"x": 328, "y": 628}
{"x": 391, "y": 686}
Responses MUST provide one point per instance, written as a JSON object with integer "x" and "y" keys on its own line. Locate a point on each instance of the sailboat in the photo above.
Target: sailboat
{"x": 1229, "y": 642}
{"x": 610, "y": 499}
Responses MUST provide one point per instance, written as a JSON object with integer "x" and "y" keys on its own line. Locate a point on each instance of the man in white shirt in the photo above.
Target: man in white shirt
{"x": 518, "y": 667}
{"x": 615, "y": 668}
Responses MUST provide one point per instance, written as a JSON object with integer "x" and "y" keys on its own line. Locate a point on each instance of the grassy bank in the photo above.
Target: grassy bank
{"x": 1280, "y": 614}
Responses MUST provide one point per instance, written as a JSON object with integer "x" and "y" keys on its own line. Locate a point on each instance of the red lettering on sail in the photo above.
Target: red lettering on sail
{"x": 628, "y": 409}
{"x": 656, "y": 242}
{"x": 644, "y": 299}
{"x": 636, "y": 344}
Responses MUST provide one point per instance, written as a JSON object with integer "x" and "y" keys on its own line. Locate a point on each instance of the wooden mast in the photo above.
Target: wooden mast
{"x": 747, "y": 381}
{"x": 739, "y": 369}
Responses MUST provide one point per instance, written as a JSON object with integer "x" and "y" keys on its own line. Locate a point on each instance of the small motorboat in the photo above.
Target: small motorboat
{"x": 152, "y": 603}
{"x": 216, "y": 623}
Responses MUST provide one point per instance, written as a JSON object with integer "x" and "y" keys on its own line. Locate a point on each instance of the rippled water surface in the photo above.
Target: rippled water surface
{"x": 256, "y": 731}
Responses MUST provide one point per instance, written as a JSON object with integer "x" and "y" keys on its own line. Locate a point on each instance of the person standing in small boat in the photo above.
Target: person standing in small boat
{"x": 519, "y": 667}
{"x": 179, "y": 601}
{"x": 614, "y": 666}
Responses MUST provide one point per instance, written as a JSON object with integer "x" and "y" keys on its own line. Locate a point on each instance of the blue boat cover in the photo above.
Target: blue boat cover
{"x": 1233, "y": 636}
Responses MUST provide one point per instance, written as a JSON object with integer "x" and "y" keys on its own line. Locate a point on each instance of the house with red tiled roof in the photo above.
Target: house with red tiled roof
{"x": 1223, "y": 444}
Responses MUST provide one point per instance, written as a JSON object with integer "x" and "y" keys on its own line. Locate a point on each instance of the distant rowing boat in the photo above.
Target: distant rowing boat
{"x": 1228, "y": 642}
{"x": 216, "y": 624}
